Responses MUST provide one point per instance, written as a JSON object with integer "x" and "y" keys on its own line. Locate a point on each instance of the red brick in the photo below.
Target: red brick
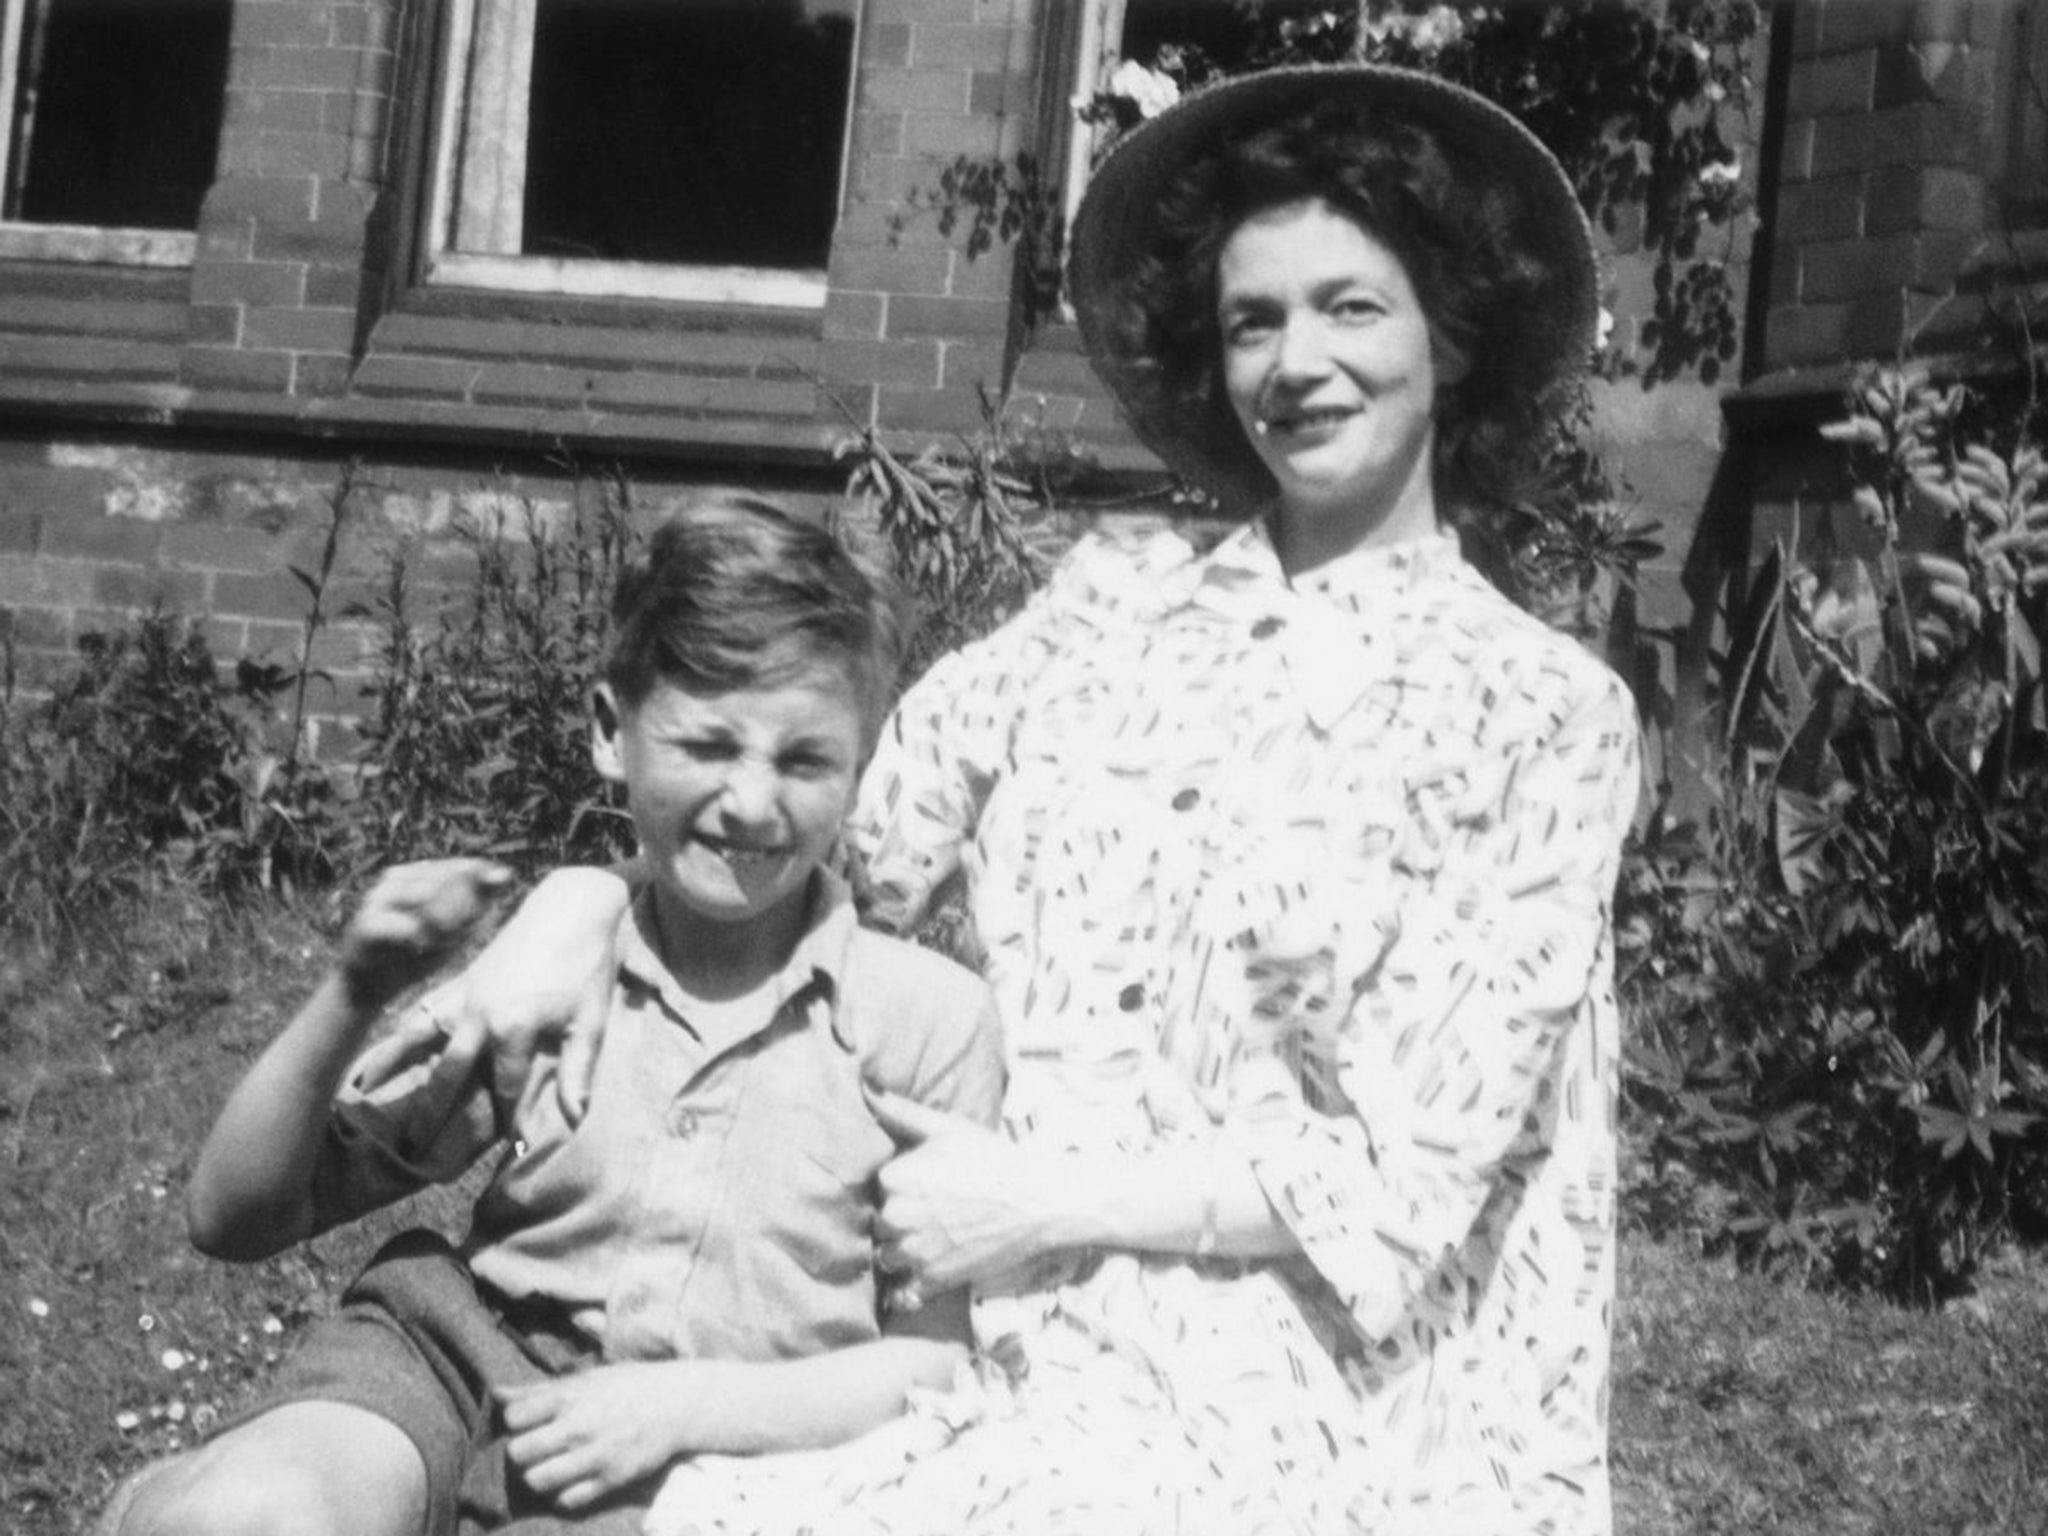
{"x": 852, "y": 315}
{"x": 223, "y": 238}
{"x": 268, "y": 284}
{"x": 947, "y": 317}
{"x": 298, "y": 330}
{"x": 915, "y": 90}
{"x": 927, "y": 410}
{"x": 82, "y": 317}
{"x": 263, "y": 197}
{"x": 948, "y": 134}
{"x": 334, "y": 287}
{"x": 886, "y": 46}
{"x": 990, "y": 275}
{"x": 1860, "y": 23}
{"x": 993, "y": 92}
{"x": 966, "y": 367}
{"x": 271, "y": 154}
{"x": 325, "y": 68}
{"x": 381, "y": 375}
{"x": 217, "y": 547}
{"x": 1821, "y": 210}
{"x": 1924, "y": 197}
{"x": 1852, "y": 268}
{"x": 280, "y": 23}
{"x": 520, "y": 382}
{"x": 273, "y": 596}
{"x": 45, "y": 583}
{"x": 1806, "y": 334}
{"x": 936, "y": 45}
{"x": 43, "y": 628}
{"x": 19, "y": 531}
{"x": 364, "y": 26}
{"x": 337, "y": 242}
{"x": 127, "y": 587}
{"x": 699, "y": 396}
{"x": 1795, "y": 160}
{"x": 293, "y": 111}
{"x": 890, "y": 269}
{"x": 1832, "y": 83}
{"x": 883, "y": 362}
{"x": 78, "y": 357}
{"x": 214, "y": 324}
{"x": 1926, "y": 133}
{"x": 227, "y": 368}
{"x": 320, "y": 375}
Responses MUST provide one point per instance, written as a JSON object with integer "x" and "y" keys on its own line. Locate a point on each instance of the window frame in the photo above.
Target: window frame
{"x": 99, "y": 244}
{"x": 442, "y": 266}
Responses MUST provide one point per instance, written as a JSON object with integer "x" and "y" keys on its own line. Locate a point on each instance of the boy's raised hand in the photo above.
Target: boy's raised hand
{"x": 412, "y": 919}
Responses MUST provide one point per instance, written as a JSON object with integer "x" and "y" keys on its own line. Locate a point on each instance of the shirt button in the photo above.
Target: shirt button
{"x": 1266, "y": 628}
{"x": 1132, "y": 998}
{"x": 1187, "y": 800}
{"x": 682, "y": 1123}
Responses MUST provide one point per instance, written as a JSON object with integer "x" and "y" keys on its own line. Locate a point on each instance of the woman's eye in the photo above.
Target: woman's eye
{"x": 709, "y": 750}
{"x": 1356, "y": 311}
{"x": 1247, "y": 331}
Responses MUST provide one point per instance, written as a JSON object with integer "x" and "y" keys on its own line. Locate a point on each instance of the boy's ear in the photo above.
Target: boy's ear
{"x": 607, "y": 724}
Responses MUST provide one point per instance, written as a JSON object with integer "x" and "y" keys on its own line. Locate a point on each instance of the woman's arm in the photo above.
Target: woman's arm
{"x": 1473, "y": 1035}
{"x": 964, "y": 1205}
{"x": 251, "y": 1193}
{"x": 582, "y": 1436}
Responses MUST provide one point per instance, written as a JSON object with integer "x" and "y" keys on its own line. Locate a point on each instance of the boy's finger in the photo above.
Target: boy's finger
{"x": 578, "y": 1071}
{"x": 909, "y": 1122}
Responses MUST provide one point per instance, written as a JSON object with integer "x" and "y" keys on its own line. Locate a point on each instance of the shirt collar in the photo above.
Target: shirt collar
{"x": 813, "y": 970}
{"x": 1328, "y": 624}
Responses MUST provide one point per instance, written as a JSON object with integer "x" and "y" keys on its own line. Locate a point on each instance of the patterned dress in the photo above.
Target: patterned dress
{"x": 1317, "y": 873}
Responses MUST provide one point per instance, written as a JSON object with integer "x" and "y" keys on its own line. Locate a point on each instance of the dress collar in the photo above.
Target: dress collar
{"x": 1330, "y": 624}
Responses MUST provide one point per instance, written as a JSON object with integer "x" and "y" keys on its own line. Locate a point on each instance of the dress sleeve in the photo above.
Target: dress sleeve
{"x": 946, "y": 741}
{"x": 1475, "y": 978}
{"x": 408, "y": 1115}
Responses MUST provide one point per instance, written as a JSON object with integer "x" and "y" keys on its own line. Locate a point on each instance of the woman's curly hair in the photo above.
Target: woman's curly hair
{"x": 1454, "y": 229}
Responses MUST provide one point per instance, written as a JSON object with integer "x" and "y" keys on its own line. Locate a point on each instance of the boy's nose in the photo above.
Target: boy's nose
{"x": 749, "y": 794}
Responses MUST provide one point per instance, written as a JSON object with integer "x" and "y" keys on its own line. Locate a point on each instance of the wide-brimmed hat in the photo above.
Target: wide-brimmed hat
{"x": 1545, "y": 343}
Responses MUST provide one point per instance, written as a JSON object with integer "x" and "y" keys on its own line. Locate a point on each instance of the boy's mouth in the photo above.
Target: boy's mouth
{"x": 740, "y": 856}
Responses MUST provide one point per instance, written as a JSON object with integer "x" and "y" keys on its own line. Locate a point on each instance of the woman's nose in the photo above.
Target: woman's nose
{"x": 1300, "y": 350}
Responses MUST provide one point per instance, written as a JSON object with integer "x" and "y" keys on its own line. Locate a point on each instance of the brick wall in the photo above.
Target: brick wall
{"x": 1886, "y": 236}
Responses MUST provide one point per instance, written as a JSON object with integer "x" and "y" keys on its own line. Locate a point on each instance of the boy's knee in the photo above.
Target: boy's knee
{"x": 259, "y": 1482}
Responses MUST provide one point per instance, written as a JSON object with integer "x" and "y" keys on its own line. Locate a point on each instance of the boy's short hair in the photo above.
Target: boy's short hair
{"x": 734, "y": 591}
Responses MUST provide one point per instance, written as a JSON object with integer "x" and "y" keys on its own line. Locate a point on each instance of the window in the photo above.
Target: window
{"x": 112, "y": 124}
{"x": 689, "y": 149}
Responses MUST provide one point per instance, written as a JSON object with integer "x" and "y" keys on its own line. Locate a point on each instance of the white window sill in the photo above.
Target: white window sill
{"x": 766, "y": 287}
{"x": 90, "y": 243}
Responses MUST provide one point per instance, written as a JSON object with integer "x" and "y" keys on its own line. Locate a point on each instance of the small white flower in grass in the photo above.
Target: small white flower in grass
{"x": 127, "y": 1421}
{"x": 146, "y": 1322}
{"x": 1721, "y": 172}
{"x": 272, "y": 1325}
{"x": 1604, "y": 329}
{"x": 176, "y": 1359}
{"x": 175, "y": 1410}
{"x": 37, "y": 1307}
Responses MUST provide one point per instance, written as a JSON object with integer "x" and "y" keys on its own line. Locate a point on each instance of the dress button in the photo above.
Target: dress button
{"x": 1187, "y": 800}
{"x": 1132, "y": 998}
{"x": 1266, "y": 628}
{"x": 682, "y": 1123}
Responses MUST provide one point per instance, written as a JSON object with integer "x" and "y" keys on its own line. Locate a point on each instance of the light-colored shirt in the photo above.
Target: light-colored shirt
{"x": 715, "y": 1199}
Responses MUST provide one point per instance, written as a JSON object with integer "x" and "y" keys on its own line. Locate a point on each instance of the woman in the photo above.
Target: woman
{"x": 1291, "y": 865}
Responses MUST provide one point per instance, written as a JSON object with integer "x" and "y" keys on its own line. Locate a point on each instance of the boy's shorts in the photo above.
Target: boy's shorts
{"x": 416, "y": 1341}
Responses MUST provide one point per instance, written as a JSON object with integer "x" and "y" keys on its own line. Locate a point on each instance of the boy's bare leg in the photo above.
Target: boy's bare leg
{"x": 311, "y": 1469}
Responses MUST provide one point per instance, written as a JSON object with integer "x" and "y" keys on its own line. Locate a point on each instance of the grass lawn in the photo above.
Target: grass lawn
{"x": 1739, "y": 1406}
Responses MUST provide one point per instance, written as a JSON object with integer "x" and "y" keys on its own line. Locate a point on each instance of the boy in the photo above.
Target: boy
{"x": 687, "y": 1266}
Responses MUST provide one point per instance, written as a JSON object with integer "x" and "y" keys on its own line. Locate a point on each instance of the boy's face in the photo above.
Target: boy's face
{"x": 736, "y": 796}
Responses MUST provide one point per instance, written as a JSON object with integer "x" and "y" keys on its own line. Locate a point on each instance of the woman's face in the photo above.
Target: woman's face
{"x": 1332, "y": 370}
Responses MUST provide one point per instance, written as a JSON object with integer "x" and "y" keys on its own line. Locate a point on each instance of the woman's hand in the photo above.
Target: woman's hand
{"x": 412, "y": 919}
{"x": 544, "y": 980}
{"x": 579, "y": 1437}
{"x": 960, "y": 1204}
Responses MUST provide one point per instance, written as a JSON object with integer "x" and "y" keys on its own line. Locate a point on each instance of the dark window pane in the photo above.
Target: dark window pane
{"x": 689, "y": 133}
{"x": 117, "y": 121}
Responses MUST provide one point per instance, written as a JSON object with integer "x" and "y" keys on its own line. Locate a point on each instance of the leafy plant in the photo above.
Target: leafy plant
{"x": 1868, "y": 1066}
{"x": 478, "y": 739}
